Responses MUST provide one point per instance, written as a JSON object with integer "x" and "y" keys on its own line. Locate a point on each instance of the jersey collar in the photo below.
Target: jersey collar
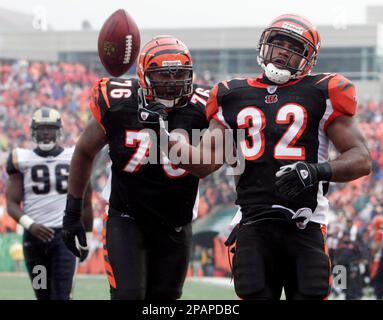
{"x": 51, "y": 153}
{"x": 261, "y": 81}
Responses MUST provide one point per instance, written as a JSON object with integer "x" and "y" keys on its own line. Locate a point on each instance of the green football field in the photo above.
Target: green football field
{"x": 18, "y": 287}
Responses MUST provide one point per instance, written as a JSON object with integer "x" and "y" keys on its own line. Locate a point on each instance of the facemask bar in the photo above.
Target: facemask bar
{"x": 169, "y": 89}
{"x": 266, "y": 50}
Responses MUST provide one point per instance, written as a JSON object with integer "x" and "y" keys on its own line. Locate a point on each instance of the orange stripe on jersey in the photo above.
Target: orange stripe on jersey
{"x": 94, "y": 106}
{"x": 212, "y": 103}
{"x": 342, "y": 95}
{"x": 104, "y": 91}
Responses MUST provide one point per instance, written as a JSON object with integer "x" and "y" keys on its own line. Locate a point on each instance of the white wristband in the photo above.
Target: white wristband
{"x": 26, "y": 221}
{"x": 89, "y": 238}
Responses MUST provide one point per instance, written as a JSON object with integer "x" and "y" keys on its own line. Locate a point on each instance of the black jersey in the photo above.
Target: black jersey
{"x": 282, "y": 124}
{"x": 160, "y": 192}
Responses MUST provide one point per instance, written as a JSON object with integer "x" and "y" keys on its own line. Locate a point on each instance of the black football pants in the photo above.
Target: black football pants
{"x": 275, "y": 254}
{"x": 54, "y": 258}
{"x": 145, "y": 261}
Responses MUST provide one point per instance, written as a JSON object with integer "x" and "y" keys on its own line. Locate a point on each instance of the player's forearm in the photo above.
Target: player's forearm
{"x": 79, "y": 174}
{"x": 193, "y": 160}
{"x": 87, "y": 218}
{"x": 14, "y": 196}
{"x": 351, "y": 165}
{"x": 87, "y": 211}
{"x": 14, "y": 210}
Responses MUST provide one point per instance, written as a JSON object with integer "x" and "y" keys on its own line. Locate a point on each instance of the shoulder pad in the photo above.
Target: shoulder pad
{"x": 109, "y": 92}
{"x": 342, "y": 95}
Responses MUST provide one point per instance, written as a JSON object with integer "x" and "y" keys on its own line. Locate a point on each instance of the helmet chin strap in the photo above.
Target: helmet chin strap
{"x": 46, "y": 146}
{"x": 274, "y": 74}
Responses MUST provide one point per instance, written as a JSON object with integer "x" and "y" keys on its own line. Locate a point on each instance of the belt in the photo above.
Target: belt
{"x": 115, "y": 213}
{"x": 301, "y": 217}
{"x": 155, "y": 222}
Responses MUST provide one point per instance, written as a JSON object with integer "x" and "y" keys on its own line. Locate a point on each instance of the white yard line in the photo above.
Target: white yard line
{"x": 213, "y": 280}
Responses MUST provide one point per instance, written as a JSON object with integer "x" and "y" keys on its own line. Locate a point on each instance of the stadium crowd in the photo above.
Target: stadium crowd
{"x": 25, "y": 86}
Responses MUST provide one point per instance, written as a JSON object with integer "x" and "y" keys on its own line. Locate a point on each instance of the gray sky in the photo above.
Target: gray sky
{"x": 68, "y": 14}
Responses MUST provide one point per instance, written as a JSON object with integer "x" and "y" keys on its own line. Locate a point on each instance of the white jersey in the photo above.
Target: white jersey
{"x": 45, "y": 182}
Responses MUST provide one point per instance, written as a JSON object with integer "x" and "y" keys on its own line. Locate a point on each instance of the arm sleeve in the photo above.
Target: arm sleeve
{"x": 99, "y": 102}
{"x": 212, "y": 104}
{"x": 342, "y": 95}
{"x": 213, "y": 107}
{"x": 12, "y": 163}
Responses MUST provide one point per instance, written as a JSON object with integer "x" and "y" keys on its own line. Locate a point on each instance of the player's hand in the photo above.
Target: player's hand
{"x": 73, "y": 229}
{"x": 84, "y": 251}
{"x": 295, "y": 178}
{"x": 150, "y": 114}
{"x": 41, "y": 232}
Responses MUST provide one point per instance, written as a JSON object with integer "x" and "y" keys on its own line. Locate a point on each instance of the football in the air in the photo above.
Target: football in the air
{"x": 118, "y": 43}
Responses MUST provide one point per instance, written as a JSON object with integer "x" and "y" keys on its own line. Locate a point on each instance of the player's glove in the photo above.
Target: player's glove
{"x": 151, "y": 114}
{"x": 295, "y": 178}
{"x": 73, "y": 228}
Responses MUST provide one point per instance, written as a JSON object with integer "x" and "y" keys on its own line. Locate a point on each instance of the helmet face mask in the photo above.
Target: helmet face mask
{"x": 286, "y": 52}
{"x": 165, "y": 71}
{"x": 46, "y": 128}
{"x": 170, "y": 84}
{"x": 288, "y": 49}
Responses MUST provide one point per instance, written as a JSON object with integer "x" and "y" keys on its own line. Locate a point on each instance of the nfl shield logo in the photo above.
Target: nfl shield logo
{"x": 144, "y": 115}
{"x": 272, "y": 89}
{"x": 110, "y": 48}
{"x": 304, "y": 174}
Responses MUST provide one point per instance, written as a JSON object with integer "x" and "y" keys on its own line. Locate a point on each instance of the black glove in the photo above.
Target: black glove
{"x": 293, "y": 179}
{"x": 72, "y": 228}
{"x": 150, "y": 114}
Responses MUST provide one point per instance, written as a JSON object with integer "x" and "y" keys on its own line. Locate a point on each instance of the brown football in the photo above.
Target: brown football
{"x": 119, "y": 43}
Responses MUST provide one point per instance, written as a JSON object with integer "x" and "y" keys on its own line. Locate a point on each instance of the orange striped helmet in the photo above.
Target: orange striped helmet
{"x": 301, "y": 33}
{"x": 165, "y": 71}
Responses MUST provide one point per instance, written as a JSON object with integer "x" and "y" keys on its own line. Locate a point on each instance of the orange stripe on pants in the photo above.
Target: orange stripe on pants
{"x": 108, "y": 267}
{"x": 324, "y": 233}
